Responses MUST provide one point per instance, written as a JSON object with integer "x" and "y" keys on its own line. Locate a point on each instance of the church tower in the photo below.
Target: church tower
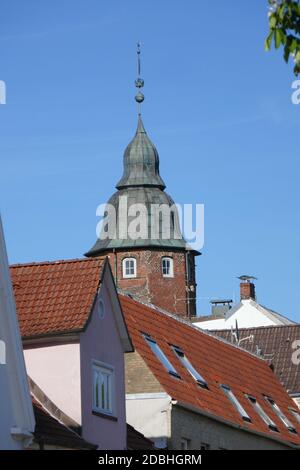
{"x": 157, "y": 267}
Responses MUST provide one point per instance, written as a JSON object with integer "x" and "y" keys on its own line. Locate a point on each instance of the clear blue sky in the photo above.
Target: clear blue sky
{"x": 217, "y": 107}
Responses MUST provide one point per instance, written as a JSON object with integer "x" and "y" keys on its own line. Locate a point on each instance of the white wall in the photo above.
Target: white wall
{"x": 149, "y": 413}
{"x": 248, "y": 315}
{"x": 297, "y": 401}
{"x": 6, "y": 413}
{"x": 16, "y": 413}
{"x": 56, "y": 370}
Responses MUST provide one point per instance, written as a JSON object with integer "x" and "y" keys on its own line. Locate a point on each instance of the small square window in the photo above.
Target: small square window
{"x": 103, "y": 389}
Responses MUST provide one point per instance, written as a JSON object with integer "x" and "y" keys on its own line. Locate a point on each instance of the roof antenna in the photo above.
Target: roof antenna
{"x": 235, "y": 334}
{"x": 139, "y": 83}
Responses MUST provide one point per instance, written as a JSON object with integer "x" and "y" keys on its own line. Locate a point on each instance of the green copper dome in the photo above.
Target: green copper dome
{"x": 147, "y": 197}
{"x": 141, "y": 162}
{"x": 141, "y": 184}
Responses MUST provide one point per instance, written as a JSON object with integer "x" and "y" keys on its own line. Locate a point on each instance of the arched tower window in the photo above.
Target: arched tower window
{"x": 167, "y": 266}
{"x": 129, "y": 267}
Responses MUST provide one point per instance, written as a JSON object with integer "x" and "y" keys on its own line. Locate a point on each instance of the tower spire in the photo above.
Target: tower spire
{"x": 139, "y": 82}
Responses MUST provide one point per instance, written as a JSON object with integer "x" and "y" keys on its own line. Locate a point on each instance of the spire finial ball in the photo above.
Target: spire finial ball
{"x": 139, "y": 98}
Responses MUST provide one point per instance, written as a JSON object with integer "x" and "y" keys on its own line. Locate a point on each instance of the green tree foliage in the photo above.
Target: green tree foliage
{"x": 284, "y": 22}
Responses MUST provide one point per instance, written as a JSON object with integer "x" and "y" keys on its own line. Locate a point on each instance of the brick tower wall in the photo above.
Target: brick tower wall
{"x": 169, "y": 293}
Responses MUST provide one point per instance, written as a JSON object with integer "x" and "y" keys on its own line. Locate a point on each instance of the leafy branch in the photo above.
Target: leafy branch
{"x": 284, "y": 24}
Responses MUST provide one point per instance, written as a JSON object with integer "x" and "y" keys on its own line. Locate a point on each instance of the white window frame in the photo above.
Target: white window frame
{"x": 189, "y": 367}
{"x": 124, "y": 268}
{"x": 171, "y": 266}
{"x": 161, "y": 356}
{"x": 280, "y": 414}
{"x": 235, "y": 402}
{"x": 109, "y": 371}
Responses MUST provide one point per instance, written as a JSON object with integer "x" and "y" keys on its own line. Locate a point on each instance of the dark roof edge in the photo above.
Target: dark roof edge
{"x": 53, "y": 336}
{"x": 103, "y": 252}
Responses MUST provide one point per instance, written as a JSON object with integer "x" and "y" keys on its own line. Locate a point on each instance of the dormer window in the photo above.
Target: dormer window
{"x": 167, "y": 266}
{"x": 129, "y": 268}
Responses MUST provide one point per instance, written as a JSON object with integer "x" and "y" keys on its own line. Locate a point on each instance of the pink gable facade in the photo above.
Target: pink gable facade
{"x": 62, "y": 366}
{"x": 100, "y": 344}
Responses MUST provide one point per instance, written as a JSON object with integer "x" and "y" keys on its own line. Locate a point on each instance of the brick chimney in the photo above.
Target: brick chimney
{"x": 247, "y": 290}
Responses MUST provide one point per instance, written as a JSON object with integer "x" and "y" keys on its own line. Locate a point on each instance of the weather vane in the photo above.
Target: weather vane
{"x": 139, "y": 83}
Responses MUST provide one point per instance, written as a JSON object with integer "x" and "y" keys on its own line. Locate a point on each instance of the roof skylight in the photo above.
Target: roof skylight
{"x": 269, "y": 422}
{"x": 236, "y": 403}
{"x": 161, "y": 356}
{"x": 186, "y": 363}
{"x": 295, "y": 414}
{"x": 281, "y": 415}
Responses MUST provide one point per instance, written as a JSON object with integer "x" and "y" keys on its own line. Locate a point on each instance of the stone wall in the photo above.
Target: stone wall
{"x": 201, "y": 431}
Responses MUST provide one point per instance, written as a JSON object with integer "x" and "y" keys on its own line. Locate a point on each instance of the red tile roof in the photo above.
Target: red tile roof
{"x": 55, "y": 297}
{"x": 217, "y": 361}
{"x": 276, "y": 346}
